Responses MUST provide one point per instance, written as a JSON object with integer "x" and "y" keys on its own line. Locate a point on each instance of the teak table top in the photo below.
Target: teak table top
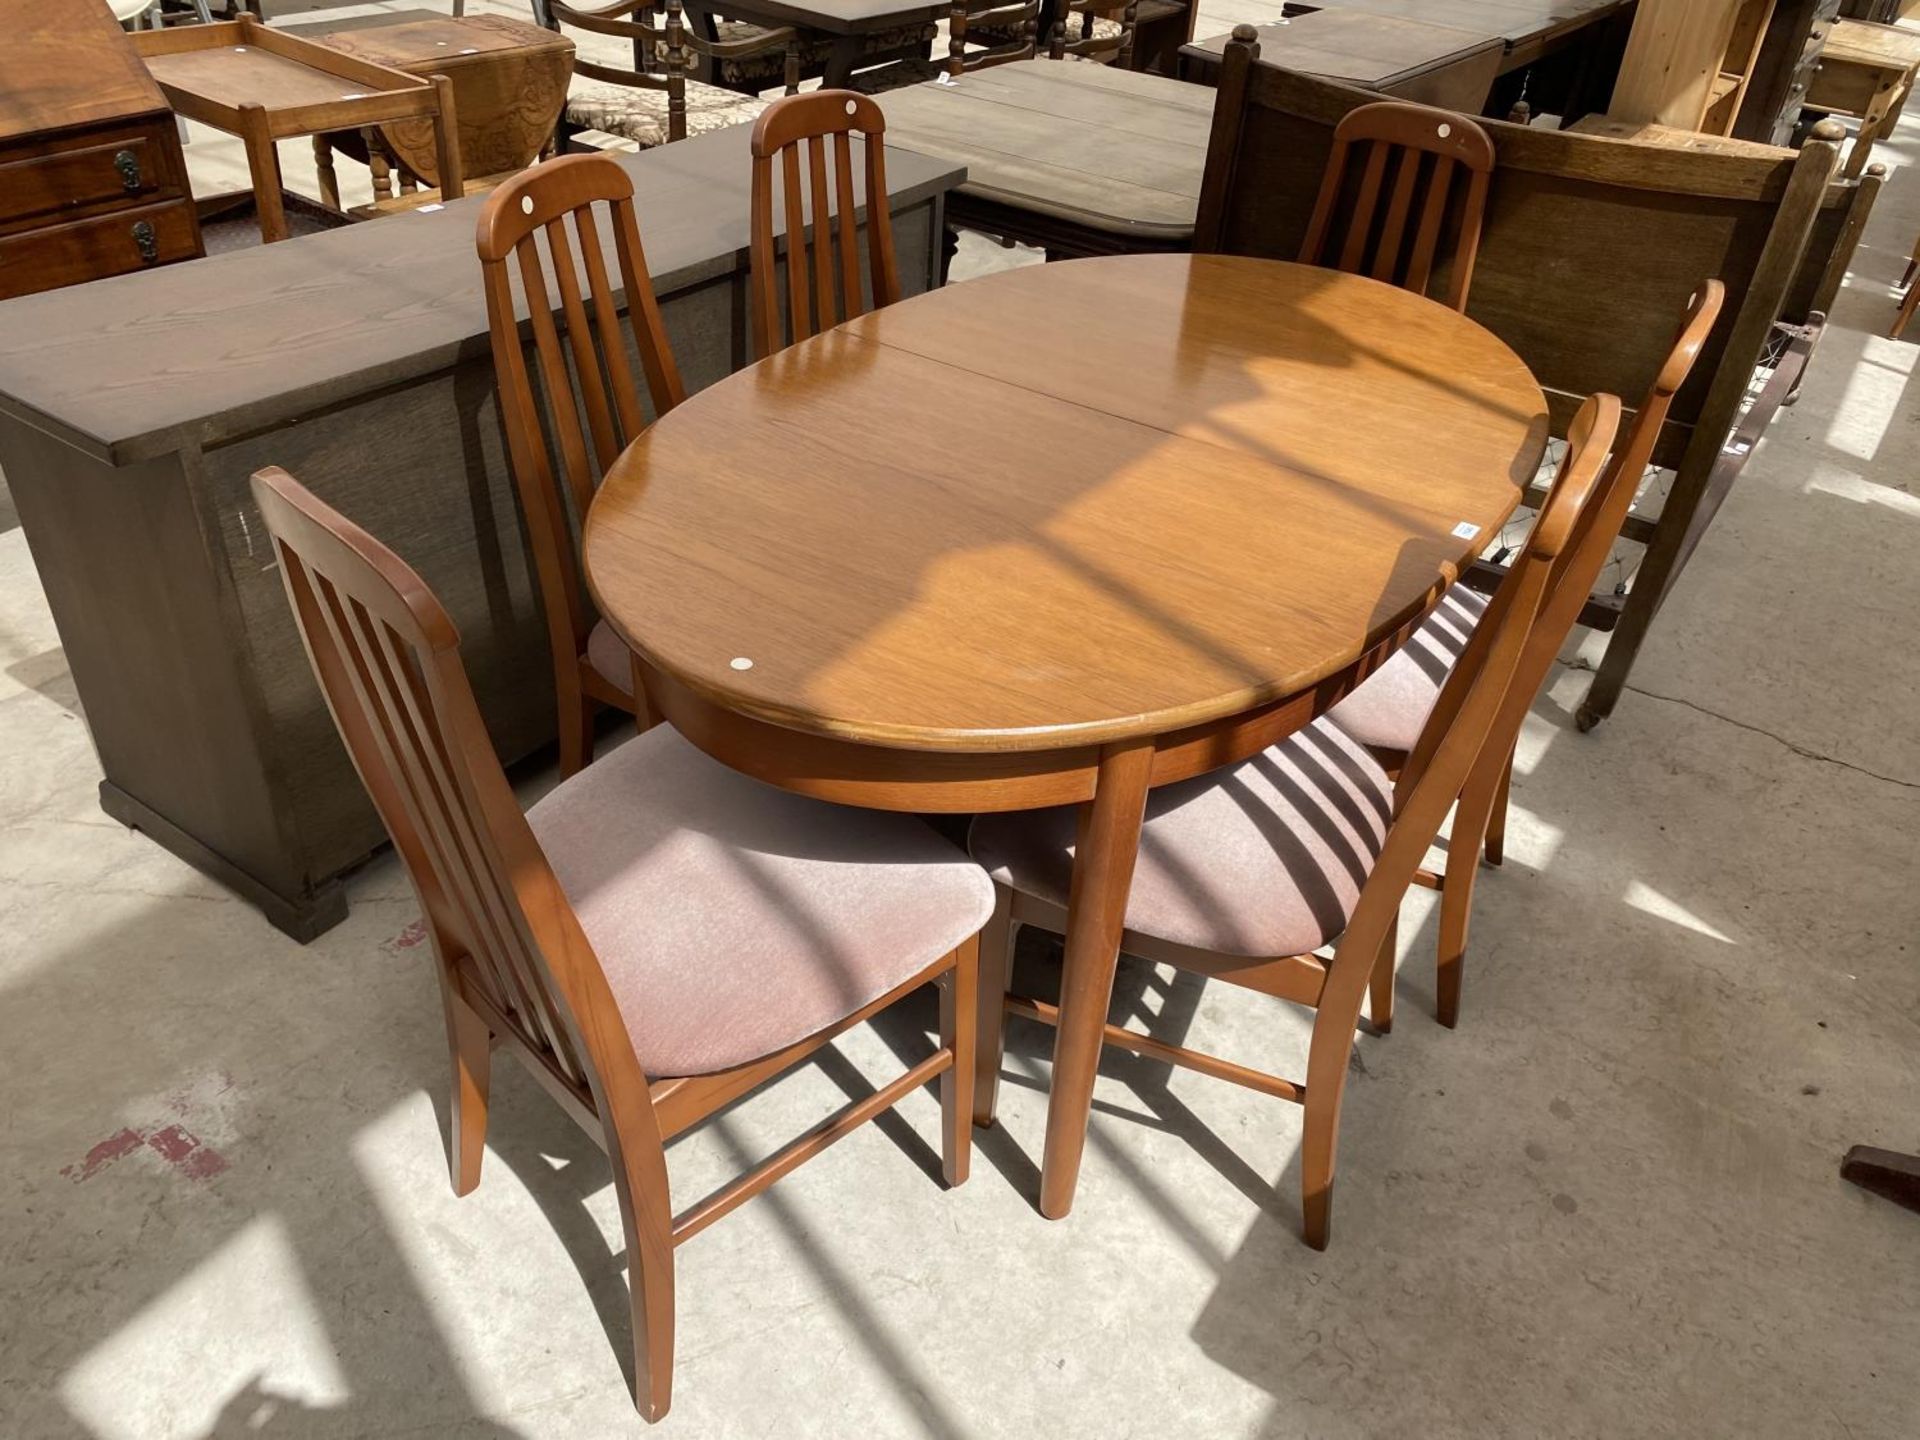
{"x": 1170, "y": 489}
{"x": 1361, "y": 48}
{"x": 1116, "y": 150}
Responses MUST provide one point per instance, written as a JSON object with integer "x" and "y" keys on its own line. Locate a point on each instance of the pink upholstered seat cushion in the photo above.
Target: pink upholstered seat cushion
{"x": 733, "y": 918}
{"x": 608, "y": 654}
{"x": 1391, "y": 708}
{"x": 1263, "y": 858}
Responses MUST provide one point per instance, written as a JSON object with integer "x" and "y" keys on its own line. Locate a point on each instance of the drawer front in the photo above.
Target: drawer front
{"x": 130, "y": 168}
{"x": 134, "y": 239}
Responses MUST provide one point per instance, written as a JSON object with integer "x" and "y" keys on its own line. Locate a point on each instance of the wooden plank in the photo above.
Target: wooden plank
{"x": 237, "y": 342}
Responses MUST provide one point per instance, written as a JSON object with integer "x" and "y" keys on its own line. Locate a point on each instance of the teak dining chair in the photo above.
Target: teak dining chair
{"x": 1244, "y": 873}
{"x": 586, "y": 370}
{"x": 1416, "y": 152}
{"x": 1389, "y": 711}
{"x": 654, "y": 938}
{"x": 817, "y": 119}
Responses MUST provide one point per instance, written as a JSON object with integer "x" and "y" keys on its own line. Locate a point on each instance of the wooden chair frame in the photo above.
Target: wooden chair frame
{"x": 1574, "y": 206}
{"x": 1021, "y": 19}
{"x": 534, "y": 205}
{"x": 1480, "y": 821}
{"x": 665, "y": 55}
{"x": 1468, "y": 725}
{"x": 1402, "y": 137}
{"x": 816, "y": 119}
{"x": 1114, "y": 50}
{"x": 514, "y": 966}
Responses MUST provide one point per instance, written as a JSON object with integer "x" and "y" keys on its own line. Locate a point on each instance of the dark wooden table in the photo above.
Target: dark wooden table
{"x": 1206, "y": 494}
{"x": 844, "y": 25}
{"x": 1530, "y": 29}
{"x": 1078, "y": 159}
{"x": 1404, "y": 58}
{"x": 133, "y": 411}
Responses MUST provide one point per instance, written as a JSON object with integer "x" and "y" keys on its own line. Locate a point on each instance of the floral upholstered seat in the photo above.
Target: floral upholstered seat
{"x": 640, "y": 115}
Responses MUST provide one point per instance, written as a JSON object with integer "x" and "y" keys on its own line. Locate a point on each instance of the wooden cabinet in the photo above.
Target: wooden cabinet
{"x": 92, "y": 182}
{"x": 1784, "y": 72}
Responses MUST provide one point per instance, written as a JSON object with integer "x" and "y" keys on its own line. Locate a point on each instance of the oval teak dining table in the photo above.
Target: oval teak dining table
{"x": 1061, "y": 534}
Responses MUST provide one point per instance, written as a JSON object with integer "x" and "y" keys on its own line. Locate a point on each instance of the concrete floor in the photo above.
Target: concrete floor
{"x": 1607, "y": 1205}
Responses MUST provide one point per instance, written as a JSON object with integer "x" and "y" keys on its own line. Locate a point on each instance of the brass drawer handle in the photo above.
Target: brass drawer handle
{"x": 145, "y": 241}
{"x": 128, "y": 164}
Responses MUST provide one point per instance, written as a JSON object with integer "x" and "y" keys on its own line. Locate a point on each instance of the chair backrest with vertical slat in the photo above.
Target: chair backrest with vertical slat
{"x": 388, "y": 662}
{"x": 1409, "y": 157}
{"x": 589, "y": 408}
{"x": 824, "y": 287}
{"x": 1466, "y": 720}
{"x": 980, "y": 38}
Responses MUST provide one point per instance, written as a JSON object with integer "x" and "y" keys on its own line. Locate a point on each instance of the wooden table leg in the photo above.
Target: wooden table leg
{"x": 1108, "y": 845}
{"x": 263, "y": 162}
{"x": 324, "y": 167}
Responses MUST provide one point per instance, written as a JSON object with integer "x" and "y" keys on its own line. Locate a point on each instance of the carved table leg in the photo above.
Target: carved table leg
{"x": 1103, "y": 864}
{"x": 329, "y": 177}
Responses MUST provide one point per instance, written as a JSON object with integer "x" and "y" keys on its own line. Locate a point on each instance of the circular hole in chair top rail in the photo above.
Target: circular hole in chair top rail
{"x": 526, "y": 204}
{"x": 1445, "y": 131}
{"x": 850, "y": 107}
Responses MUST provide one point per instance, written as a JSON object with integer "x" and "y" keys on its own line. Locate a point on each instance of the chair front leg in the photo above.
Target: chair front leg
{"x": 959, "y": 1003}
{"x": 470, "y": 1048}
{"x": 995, "y": 954}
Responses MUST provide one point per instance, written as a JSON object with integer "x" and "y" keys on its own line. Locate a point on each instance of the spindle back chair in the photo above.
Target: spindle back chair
{"x": 820, "y": 120}
{"x": 1413, "y": 156}
{"x": 589, "y": 409}
{"x": 516, "y": 967}
{"x": 1089, "y": 30}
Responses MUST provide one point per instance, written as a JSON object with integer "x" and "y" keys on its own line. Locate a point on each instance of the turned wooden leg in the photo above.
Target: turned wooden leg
{"x": 470, "y": 1047}
{"x": 959, "y": 1003}
{"x": 379, "y": 172}
{"x": 1109, "y": 844}
{"x": 329, "y": 176}
{"x": 990, "y": 1032}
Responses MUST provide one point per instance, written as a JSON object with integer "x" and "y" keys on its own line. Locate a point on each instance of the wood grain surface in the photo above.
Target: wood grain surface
{"x": 1208, "y": 484}
{"x": 242, "y": 341}
{"x": 38, "y": 92}
{"x": 1114, "y": 149}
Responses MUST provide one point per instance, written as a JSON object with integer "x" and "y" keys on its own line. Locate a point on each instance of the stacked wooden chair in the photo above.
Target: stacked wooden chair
{"x": 656, "y": 938}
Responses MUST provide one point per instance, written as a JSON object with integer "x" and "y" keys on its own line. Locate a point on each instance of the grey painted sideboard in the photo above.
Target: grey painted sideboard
{"x": 133, "y": 410}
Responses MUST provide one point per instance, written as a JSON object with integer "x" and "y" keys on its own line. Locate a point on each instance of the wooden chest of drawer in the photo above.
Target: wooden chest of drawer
{"x": 92, "y": 181}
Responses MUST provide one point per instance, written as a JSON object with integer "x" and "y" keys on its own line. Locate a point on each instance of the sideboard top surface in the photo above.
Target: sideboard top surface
{"x": 141, "y": 364}
{"x": 67, "y": 64}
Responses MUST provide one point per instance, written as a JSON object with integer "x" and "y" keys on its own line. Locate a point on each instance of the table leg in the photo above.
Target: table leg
{"x": 1103, "y": 863}
{"x": 263, "y": 163}
{"x": 329, "y": 177}
{"x": 841, "y": 58}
